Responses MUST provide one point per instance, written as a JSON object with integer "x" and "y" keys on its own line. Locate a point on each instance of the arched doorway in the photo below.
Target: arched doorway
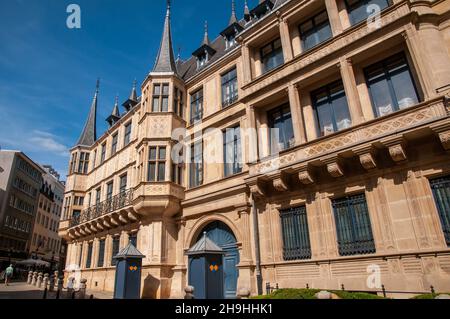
{"x": 223, "y": 237}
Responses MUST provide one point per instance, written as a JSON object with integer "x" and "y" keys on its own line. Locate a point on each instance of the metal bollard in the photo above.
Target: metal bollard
{"x": 244, "y": 293}
{"x": 58, "y": 293}
{"x": 91, "y": 297}
{"x": 52, "y": 283}
{"x": 384, "y": 290}
{"x": 73, "y": 294}
{"x": 432, "y": 290}
{"x": 342, "y": 287}
{"x": 45, "y": 282}
{"x": 34, "y": 280}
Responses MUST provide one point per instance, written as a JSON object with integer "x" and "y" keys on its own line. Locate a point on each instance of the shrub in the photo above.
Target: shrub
{"x": 429, "y": 296}
{"x": 310, "y": 294}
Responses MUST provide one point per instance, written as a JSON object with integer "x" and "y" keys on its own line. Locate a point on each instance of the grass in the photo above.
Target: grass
{"x": 310, "y": 294}
{"x": 429, "y": 296}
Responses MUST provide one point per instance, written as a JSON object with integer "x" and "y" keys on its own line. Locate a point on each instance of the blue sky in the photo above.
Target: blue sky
{"x": 48, "y": 72}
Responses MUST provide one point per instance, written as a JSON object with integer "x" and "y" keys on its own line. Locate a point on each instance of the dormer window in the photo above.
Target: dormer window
{"x": 230, "y": 41}
{"x": 202, "y": 60}
{"x": 261, "y": 9}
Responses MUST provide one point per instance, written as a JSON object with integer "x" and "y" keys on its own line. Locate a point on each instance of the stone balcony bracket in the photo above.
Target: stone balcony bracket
{"x": 305, "y": 177}
{"x": 366, "y": 157}
{"x": 397, "y": 148}
{"x": 444, "y": 137}
{"x": 255, "y": 188}
{"x": 279, "y": 182}
{"x": 333, "y": 167}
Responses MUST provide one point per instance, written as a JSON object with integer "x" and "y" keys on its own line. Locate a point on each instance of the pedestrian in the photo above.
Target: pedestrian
{"x": 8, "y": 274}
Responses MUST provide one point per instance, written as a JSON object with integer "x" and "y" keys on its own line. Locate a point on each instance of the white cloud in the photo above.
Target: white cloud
{"x": 47, "y": 142}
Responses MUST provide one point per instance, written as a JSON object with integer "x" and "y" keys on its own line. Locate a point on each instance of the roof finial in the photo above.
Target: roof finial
{"x": 246, "y": 11}
{"x": 233, "y": 18}
{"x": 168, "y": 8}
{"x": 98, "y": 85}
{"x": 206, "y": 37}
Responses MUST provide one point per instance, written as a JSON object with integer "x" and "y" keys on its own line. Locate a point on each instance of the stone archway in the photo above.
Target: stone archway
{"x": 222, "y": 235}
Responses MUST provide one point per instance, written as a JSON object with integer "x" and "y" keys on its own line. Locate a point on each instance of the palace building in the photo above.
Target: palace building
{"x": 347, "y": 176}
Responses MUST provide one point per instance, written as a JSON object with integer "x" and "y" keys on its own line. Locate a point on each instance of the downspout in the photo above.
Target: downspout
{"x": 259, "y": 283}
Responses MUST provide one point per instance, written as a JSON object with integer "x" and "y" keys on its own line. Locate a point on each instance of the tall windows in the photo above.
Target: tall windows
{"x": 391, "y": 85}
{"x": 315, "y": 31}
{"x": 80, "y": 257}
{"x": 89, "y": 256}
{"x": 232, "y": 151}
{"x": 101, "y": 253}
{"x": 73, "y": 163}
{"x": 123, "y": 183}
{"x": 196, "y": 106}
{"x": 127, "y": 138}
{"x": 178, "y": 106}
{"x": 272, "y": 55}
{"x": 354, "y": 230}
{"x": 103, "y": 154}
{"x": 98, "y": 194}
{"x": 296, "y": 242}
{"x": 115, "y": 250}
{"x": 196, "y": 165}
{"x": 282, "y": 132}
{"x": 229, "y": 88}
{"x": 358, "y": 10}
{"x": 441, "y": 193}
{"x": 157, "y": 164}
{"x": 330, "y": 104}
{"x": 109, "y": 190}
{"x": 83, "y": 164}
{"x": 94, "y": 159}
{"x": 114, "y": 144}
{"x": 160, "y": 97}
{"x": 177, "y": 174}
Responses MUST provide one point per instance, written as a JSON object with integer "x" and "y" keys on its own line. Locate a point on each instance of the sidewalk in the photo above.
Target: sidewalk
{"x": 21, "y": 290}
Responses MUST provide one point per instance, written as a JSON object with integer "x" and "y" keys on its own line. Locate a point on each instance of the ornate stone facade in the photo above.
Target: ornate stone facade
{"x": 389, "y": 159}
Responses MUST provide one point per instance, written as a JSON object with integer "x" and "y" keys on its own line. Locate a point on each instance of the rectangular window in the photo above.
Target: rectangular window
{"x": 391, "y": 85}
{"x": 196, "y": 106}
{"x": 441, "y": 193}
{"x": 358, "y": 9}
{"x": 114, "y": 144}
{"x": 160, "y": 98}
{"x": 315, "y": 31}
{"x": 272, "y": 55}
{"x": 109, "y": 190}
{"x": 177, "y": 174}
{"x": 127, "y": 138}
{"x": 101, "y": 254}
{"x": 296, "y": 241}
{"x": 178, "y": 102}
{"x": 123, "y": 183}
{"x": 232, "y": 151}
{"x": 103, "y": 154}
{"x": 98, "y": 194}
{"x": 330, "y": 104}
{"x": 196, "y": 165}
{"x": 354, "y": 230}
{"x": 157, "y": 164}
{"x": 282, "y": 131}
{"x": 115, "y": 250}
{"x": 229, "y": 88}
{"x": 95, "y": 159}
{"x": 89, "y": 256}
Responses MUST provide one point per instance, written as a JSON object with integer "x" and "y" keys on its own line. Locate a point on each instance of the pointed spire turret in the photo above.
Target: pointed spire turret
{"x": 233, "y": 18}
{"x": 133, "y": 99}
{"x": 246, "y": 11}
{"x": 165, "y": 61}
{"x": 89, "y": 134}
{"x": 115, "y": 115}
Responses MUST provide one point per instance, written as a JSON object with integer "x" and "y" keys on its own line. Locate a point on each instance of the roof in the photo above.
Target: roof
{"x": 205, "y": 246}
{"x": 188, "y": 68}
{"x": 129, "y": 252}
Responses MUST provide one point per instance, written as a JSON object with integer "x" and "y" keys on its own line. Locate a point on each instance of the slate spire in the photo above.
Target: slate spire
{"x": 89, "y": 134}
{"x": 165, "y": 61}
{"x": 206, "y": 36}
{"x": 246, "y": 11}
{"x": 133, "y": 99}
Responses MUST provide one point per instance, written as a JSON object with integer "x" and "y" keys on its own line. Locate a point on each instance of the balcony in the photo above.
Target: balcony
{"x": 330, "y": 154}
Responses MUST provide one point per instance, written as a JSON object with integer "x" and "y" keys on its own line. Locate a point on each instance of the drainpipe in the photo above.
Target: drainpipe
{"x": 259, "y": 282}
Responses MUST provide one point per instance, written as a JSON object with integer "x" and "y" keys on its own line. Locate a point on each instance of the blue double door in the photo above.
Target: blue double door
{"x": 223, "y": 237}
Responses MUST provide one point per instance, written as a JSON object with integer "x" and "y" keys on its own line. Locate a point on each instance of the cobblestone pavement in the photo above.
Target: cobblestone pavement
{"x": 20, "y": 290}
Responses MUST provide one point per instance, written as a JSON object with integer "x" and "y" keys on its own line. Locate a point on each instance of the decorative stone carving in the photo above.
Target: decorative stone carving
{"x": 445, "y": 140}
{"x": 279, "y": 184}
{"x": 367, "y": 161}
{"x": 335, "y": 170}
{"x": 397, "y": 153}
{"x": 305, "y": 177}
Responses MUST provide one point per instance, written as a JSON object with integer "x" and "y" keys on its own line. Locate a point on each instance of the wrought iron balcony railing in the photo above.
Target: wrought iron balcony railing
{"x": 110, "y": 205}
